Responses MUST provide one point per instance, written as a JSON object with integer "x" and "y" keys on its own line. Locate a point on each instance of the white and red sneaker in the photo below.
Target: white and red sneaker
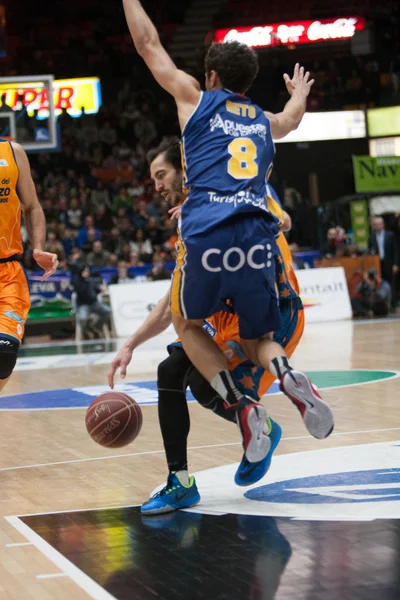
{"x": 316, "y": 414}
{"x": 251, "y": 422}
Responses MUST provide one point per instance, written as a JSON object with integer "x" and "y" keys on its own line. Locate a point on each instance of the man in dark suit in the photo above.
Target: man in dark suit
{"x": 384, "y": 244}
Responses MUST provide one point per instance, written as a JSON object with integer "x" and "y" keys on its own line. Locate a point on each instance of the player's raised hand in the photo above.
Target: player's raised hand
{"x": 175, "y": 212}
{"x": 299, "y": 83}
{"x": 121, "y": 361}
{"x": 48, "y": 261}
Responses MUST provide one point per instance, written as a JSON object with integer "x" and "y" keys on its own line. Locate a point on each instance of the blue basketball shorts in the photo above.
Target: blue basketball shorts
{"x": 234, "y": 262}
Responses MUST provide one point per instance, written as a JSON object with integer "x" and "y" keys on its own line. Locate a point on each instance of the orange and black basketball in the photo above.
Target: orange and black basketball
{"x": 113, "y": 420}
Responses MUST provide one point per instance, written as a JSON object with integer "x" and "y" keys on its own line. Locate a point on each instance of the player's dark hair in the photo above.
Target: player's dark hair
{"x": 235, "y": 64}
{"x": 171, "y": 147}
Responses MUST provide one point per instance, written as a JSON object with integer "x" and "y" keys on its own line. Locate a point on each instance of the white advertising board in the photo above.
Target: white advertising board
{"x": 324, "y": 294}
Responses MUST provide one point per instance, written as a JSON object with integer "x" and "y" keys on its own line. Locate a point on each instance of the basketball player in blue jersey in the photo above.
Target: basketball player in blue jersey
{"x": 226, "y": 246}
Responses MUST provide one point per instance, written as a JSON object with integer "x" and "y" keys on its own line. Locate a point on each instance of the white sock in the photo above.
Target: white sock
{"x": 225, "y": 387}
{"x": 183, "y": 477}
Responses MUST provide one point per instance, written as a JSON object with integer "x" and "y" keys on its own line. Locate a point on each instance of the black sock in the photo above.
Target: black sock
{"x": 225, "y": 387}
{"x": 279, "y": 366}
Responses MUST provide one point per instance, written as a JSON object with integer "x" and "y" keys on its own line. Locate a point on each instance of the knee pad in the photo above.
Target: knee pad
{"x": 8, "y": 356}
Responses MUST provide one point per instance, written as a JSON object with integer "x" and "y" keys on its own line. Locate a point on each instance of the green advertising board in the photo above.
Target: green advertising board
{"x": 376, "y": 174}
{"x": 359, "y": 223}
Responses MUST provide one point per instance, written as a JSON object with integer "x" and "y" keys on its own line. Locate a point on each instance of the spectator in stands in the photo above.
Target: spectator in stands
{"x": 384, "y": 244}
{"x": 108, "y": 136}
{"x": 91, "y": 238}
{"x": 122, "y": 275}
{"x": 373, "y": 296}
{"x": 55, "y": 246}
{"x": 87, "y": 299}
{"x": 68, "y": 240}
{"x": 115, "y": 243}
{"x": 142, "y": 246}
{"x": 102, "y": 218}
{"x": 335, "y": 239}
{"x": 98, "y": 257}
{"x": 133, "y": 260}
{"x": 154, "y": 232}
{"x": 76, "y": 260}
{"x": 100, "y": 195}
{"x": 139, "y": 216}
{"x": 83, "y": 233}
{"x": 158, "y": 270}
{"x": 147, "y": 195}
{"x": 74, "y": 213}
{"x": 121, "y": 200}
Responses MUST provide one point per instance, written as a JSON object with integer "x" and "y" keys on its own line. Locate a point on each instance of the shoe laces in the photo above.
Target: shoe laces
{"x": 170, "y": 487}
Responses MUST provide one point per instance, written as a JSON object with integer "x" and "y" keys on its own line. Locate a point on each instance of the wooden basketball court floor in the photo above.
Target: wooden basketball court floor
{"x": 335, "y": 533}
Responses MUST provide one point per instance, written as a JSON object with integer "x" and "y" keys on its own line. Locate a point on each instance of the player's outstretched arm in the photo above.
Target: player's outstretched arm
{"x": 156, "y": 322}
{"x": 184, "y": 88}
{"x": 33, "y": 213}
{"x": 290, "y": 118}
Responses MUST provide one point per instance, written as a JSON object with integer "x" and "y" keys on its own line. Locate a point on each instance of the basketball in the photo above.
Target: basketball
{"x": 113, "y": 420}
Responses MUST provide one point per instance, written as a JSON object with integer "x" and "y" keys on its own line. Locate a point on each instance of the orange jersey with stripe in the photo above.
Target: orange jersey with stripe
{"x": 10, "y": 206}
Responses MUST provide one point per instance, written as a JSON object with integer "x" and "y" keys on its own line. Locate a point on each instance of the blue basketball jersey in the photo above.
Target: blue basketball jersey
{"x": 227, "y": 154}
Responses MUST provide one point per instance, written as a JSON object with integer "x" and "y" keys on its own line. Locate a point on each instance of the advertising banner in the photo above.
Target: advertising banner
{"x": 294, "y": 32}
{"x": 376, "y": 173}
{"x": 72, "y": 94}
{"x": 132, "y": 302}
{"x": 50, "y": 299}
{"x": 383, "y": 121}
{"x": 324, "y": 294}
{"x": 360, "y": 223}
{"x": 323, "y": 126}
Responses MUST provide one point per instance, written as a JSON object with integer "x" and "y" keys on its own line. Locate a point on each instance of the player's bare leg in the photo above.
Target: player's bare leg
{"x": 212, "y": 364}
{"x": 316, "y": 414}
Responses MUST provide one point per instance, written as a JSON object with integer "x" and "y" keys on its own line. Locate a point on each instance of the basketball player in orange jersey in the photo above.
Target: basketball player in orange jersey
{"x": 17, "y": 191}
{"x": 177, "y": 372}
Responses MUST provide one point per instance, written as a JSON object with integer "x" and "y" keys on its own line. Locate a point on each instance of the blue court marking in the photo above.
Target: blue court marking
{"x": 359, "y": 487}
{"x": 144, "y": 392}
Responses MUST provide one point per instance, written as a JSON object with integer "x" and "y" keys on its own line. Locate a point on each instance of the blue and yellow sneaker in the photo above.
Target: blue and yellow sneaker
{"x": 247, "y": 472}
{"x": 173, "y": 496}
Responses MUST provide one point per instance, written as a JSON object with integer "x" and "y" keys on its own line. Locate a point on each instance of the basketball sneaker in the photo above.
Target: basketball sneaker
{"x": 316, "y": 414}
{"x": 247, "y": 472}
{"x": 173, "y": 496}
{"x": 251, "y": 417}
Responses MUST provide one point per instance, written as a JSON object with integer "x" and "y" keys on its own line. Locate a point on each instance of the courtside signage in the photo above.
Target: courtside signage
{"x": 325, "y": 294}
{"x": 294, "y": 32}
{"x": 72, "y": 94}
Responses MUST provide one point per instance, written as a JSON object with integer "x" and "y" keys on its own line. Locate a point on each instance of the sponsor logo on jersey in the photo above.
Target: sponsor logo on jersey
{"x": 235, "y": 258}
{"x": 3, "y": 162}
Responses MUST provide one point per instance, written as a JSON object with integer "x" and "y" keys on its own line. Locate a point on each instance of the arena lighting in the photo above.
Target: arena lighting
{"x": 294, "y": 32}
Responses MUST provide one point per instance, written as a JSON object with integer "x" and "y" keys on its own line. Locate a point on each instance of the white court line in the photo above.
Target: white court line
{"x": 114, "y": 456}
{"x": 93, "y": 589}
{"x": 18, "y": 544}
{"x": 51, "y": 576}
{"x": 396, "y": 375}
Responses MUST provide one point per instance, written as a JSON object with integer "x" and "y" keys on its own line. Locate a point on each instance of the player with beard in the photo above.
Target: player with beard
{"x": 176, "y": 373}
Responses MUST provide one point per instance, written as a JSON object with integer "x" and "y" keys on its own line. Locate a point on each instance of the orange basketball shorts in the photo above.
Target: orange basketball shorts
{"x": 14, "y": 301}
